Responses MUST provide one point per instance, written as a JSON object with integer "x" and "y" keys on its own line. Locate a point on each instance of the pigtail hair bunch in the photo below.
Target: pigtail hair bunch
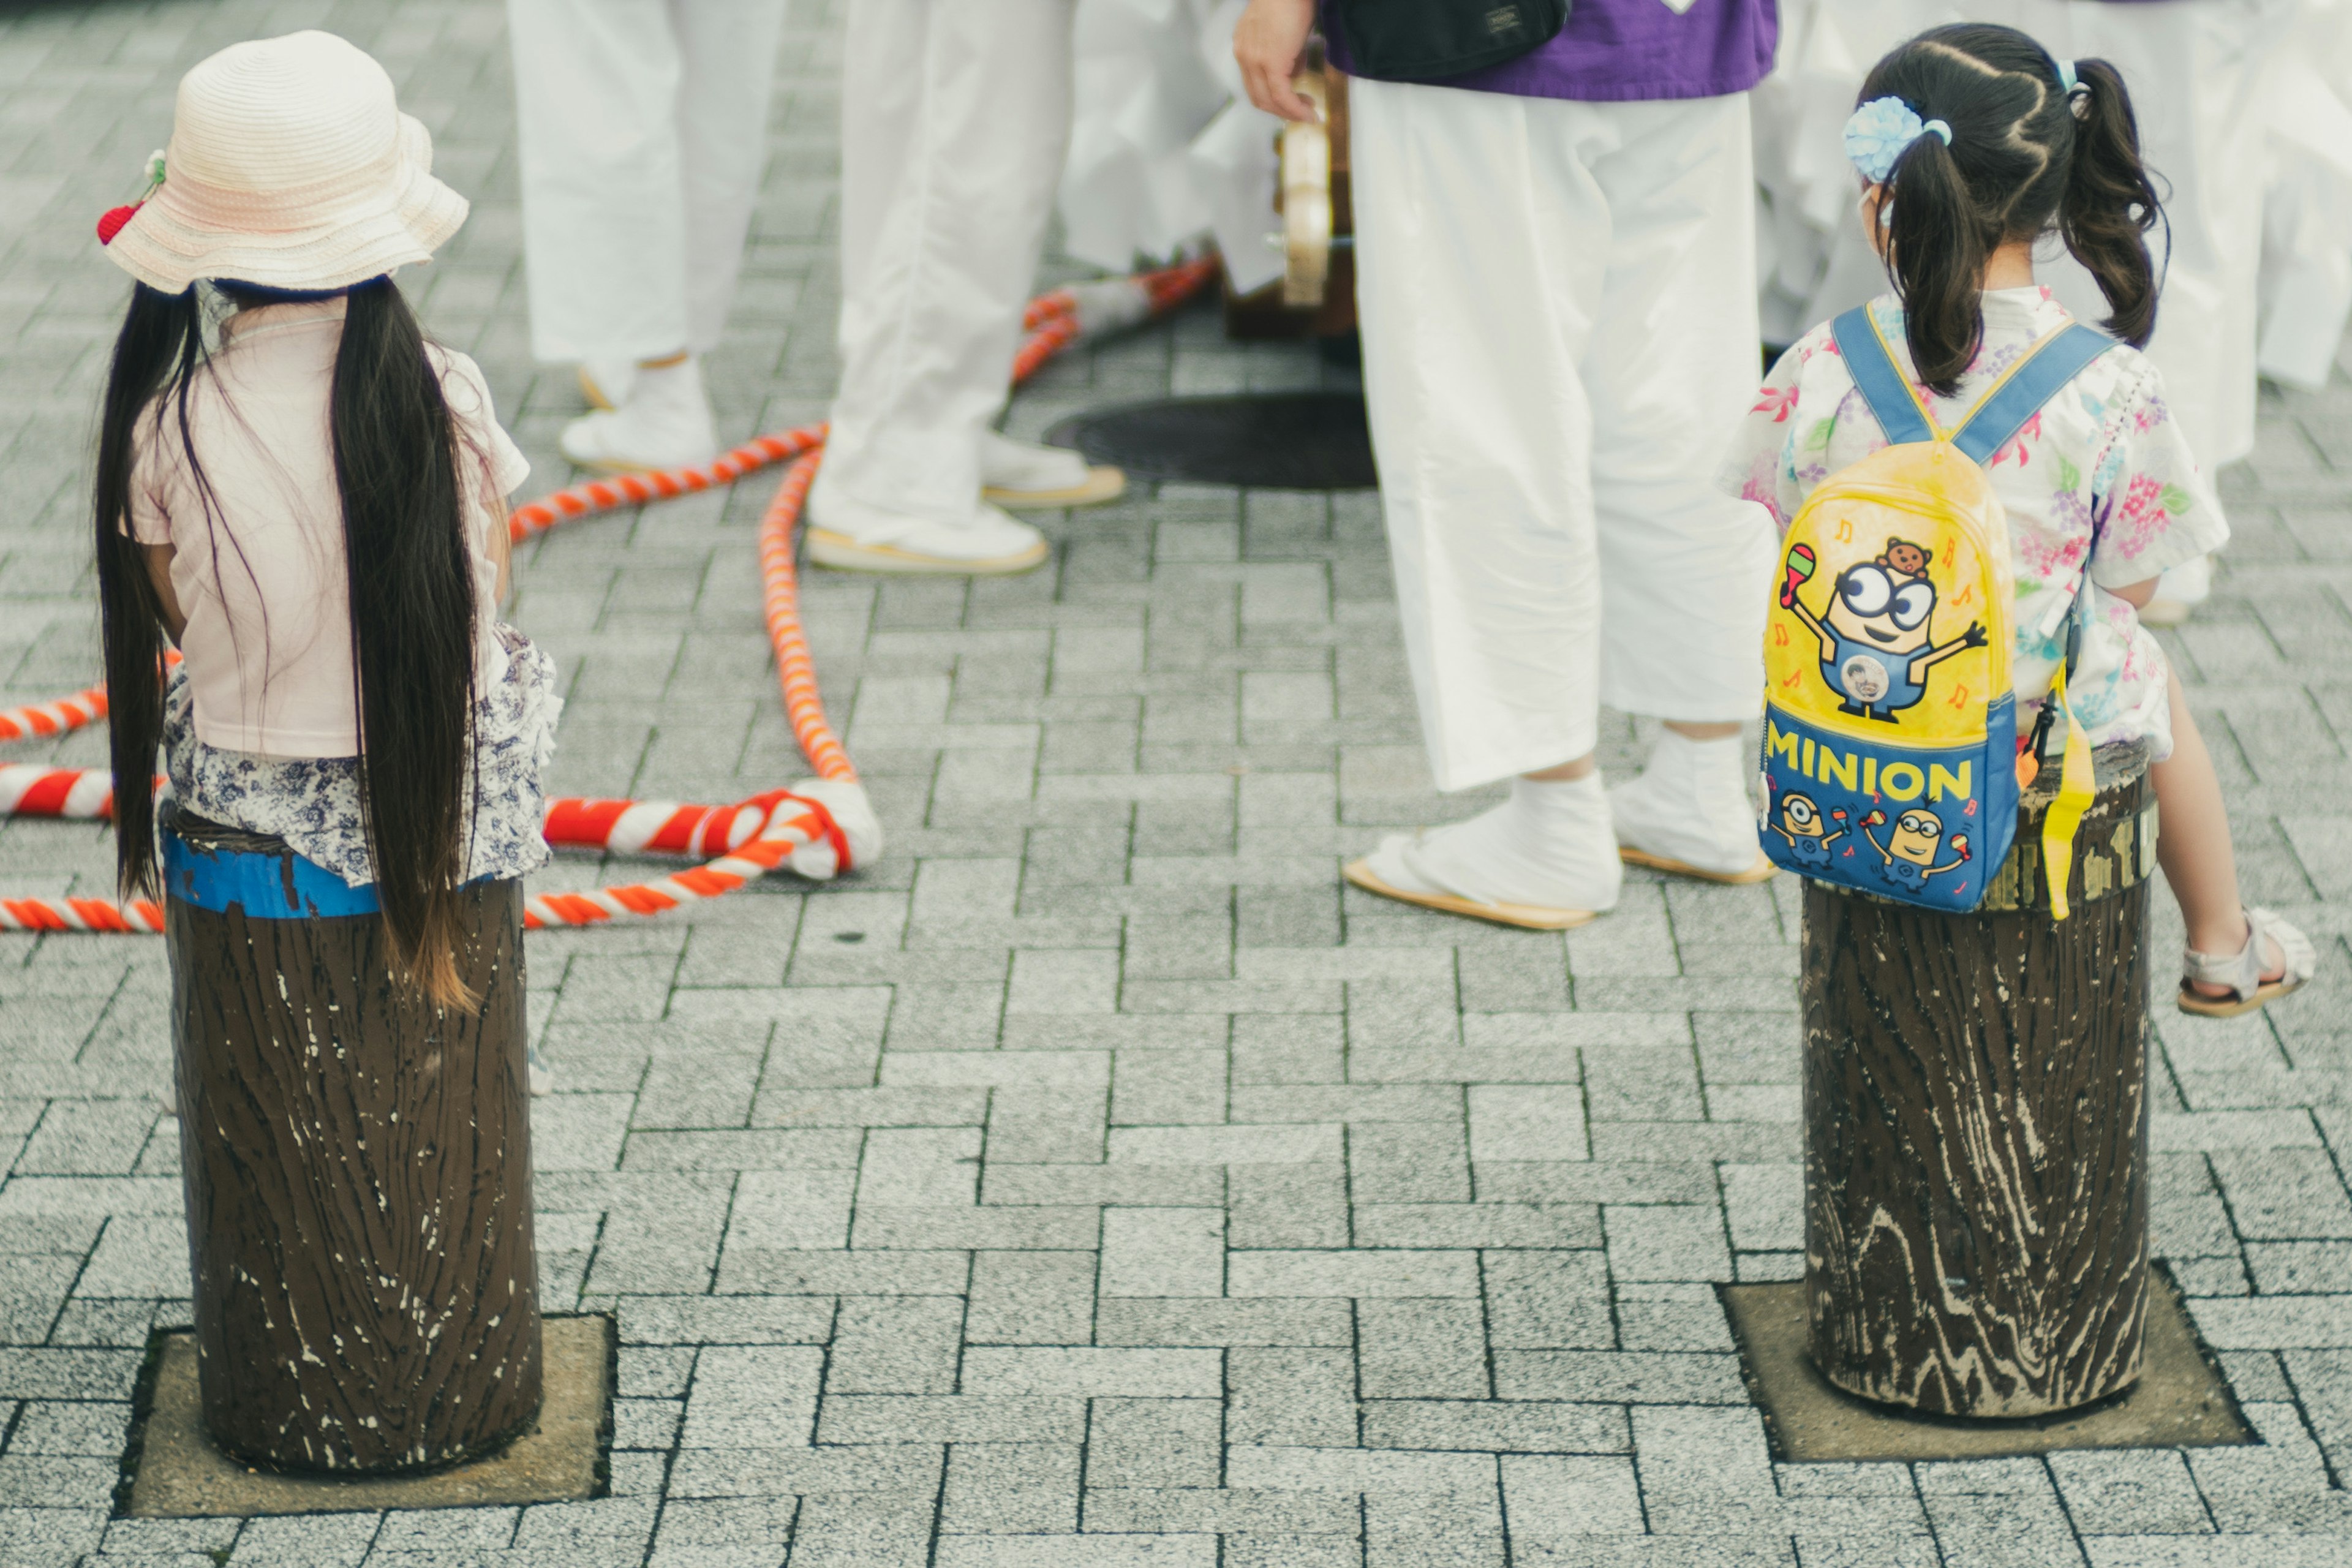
{"x": 2017, "y": 162}
{"x": 413, "y": 629}
{"x": 2111, "y": 201}
{"x": 1938, "y": 244}
{"x": 160, "y": 347}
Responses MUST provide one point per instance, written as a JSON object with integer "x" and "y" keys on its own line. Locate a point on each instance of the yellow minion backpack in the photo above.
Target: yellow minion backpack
{"x": 1891, "y": 760}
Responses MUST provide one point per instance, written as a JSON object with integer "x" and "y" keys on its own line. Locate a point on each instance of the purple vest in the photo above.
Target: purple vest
{"x": 1616, "y": 51}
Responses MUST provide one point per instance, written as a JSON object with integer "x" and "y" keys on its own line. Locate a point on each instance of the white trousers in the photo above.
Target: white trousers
{"x": 954, "y": 118}
{"x": 1559, "y": 313}
{"x": 644, "y": 134}
{"x": 2195, "y": 68}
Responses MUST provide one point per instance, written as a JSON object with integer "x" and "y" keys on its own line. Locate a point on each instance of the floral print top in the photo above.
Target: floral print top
{"x": 2101, "y": 480}
{"x": 313, "y": 803}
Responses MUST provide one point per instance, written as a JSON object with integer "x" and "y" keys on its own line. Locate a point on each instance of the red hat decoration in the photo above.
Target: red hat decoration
{"x": 110, "y": 222}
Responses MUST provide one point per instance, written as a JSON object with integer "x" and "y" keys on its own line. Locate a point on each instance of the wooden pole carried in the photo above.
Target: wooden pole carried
{"x": 358, "y": 1169}
{"x": 1976, "y": 1129}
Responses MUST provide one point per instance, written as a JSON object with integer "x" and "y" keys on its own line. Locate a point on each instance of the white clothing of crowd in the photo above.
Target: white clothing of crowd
{"x": 644, "y": 145}
{"x": 2245, "y": 107}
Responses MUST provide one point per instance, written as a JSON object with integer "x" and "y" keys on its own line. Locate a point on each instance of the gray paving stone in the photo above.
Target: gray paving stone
{"x": 752, "y": 1396}
{"x": 950, "y": 1418}
{"x": 1640, "y": 1378}
{"x": 1548, "y": 1299}
{"x": 1096, "y": 1183}
{"x": 1031, "y": 1297}
{"x": 903, "y": 1471}
{"x": 895, "y": 1345}
{"x": 1421, "y": 1349}
{"x": 1012, "y": 1489}
{"x": 324, "y": 1540}
{"x": 1264, "y": 1322}
{"x": 1286, "y": 1205}
{"x": 1297, "y": 1396}
{"x": 1050, "y": 1371}
{"x": 2130, "y": 1493}
{"x": 1154, "y": 1444}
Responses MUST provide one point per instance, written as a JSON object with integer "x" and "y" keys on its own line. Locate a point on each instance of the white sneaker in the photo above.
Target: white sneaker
{"x": 606, "y": 383}
{"x": 1690, "y": 812}
{"x": 1023, "y": 474}
{"x": 665, "y": 423}
{"x": 2179, "y": 593}
{"x": 850, "y": 537}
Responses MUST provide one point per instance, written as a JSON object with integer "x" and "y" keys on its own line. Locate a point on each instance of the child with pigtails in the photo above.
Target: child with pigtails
{"x": 1973, "y": 143}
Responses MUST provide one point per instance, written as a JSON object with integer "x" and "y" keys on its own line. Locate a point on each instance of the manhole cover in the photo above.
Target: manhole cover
{"x": 1288, "y": 441}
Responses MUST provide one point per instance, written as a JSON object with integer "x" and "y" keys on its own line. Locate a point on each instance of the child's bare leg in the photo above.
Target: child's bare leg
{"x": 2192, "y": 842}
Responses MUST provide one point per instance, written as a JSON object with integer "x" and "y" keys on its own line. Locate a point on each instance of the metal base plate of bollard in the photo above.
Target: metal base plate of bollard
{"x": 1976, "y": 1128}
{"x": 358, "y": 1170}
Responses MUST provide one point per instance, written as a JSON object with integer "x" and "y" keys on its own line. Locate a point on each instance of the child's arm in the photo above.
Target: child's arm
{"x": 159, "y": 574}
{"x": 2138, "y": 594}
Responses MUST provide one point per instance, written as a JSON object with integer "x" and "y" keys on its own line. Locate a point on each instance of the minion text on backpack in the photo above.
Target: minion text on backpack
{"x": 1891, "y": 760}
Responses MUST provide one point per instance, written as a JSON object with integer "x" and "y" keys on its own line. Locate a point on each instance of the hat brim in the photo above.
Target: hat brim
{"x": 172, "y": 240}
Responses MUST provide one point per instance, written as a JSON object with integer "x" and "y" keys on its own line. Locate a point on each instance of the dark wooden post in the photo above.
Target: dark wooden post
{"x": 357, "y": 1166}
{"x": 1976, "y": 1130}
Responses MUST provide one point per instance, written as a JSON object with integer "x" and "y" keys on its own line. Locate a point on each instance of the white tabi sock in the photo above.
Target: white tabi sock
{"x": 665, "y": 423}
{"x": 1691, "y": 804}
{"x": 1550, "y": 845}
{"x": 1006, "y": 464}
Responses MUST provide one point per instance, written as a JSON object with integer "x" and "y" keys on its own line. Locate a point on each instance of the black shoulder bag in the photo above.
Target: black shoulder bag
{"x": 1421, "y": 40}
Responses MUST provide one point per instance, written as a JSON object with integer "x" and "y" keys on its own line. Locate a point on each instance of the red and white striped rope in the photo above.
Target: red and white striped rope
{"x": 38, "y": 719}
{"x": 820, "y": 828}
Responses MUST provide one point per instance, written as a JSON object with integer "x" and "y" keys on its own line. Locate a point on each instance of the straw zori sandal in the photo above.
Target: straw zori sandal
{"x": 1528, "y": 917}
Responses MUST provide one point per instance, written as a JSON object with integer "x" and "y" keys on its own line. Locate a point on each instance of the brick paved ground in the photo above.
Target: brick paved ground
{"x": 1095, "y": 1184}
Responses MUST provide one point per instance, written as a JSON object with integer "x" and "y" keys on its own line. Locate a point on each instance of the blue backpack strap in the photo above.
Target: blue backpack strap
{"x": 1877, "y": 379}
{"x": 2057, "y": 360}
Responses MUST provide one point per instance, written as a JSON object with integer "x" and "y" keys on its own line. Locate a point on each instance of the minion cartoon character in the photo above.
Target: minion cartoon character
{"x": 1909, "y": 852}
{"x": 1876, "y": 645}
{"x": 1808, "y": 834}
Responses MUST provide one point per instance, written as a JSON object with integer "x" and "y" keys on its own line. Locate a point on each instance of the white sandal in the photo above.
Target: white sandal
{"x": 2241, "y": 970}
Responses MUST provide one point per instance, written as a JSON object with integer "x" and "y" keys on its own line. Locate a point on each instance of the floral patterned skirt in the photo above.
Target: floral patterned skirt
{"x": 313, "y": 803}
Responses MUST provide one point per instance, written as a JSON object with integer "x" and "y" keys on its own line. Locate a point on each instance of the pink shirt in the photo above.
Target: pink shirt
{"x": 268, "y": 642}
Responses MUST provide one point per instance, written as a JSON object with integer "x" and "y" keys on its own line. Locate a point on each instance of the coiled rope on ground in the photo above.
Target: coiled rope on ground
{"x": 820, "y": 827}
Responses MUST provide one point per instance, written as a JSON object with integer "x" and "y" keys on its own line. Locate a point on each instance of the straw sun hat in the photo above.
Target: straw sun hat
{"x": 291, "y": 166}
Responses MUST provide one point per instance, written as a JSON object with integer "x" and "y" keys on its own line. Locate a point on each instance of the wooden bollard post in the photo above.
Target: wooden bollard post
{"x": 357, "y": 1166}
{"x": 1976, "y": 1128}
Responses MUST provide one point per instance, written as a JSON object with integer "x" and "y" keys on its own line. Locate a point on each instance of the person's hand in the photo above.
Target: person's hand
{"x": 1267, "y": 42}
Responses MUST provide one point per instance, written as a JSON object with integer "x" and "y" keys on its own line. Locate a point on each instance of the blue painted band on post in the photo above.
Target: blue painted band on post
{"x": 215, "y": 878}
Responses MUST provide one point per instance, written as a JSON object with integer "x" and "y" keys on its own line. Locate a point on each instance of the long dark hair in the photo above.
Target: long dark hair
{"x": 410, "y": 574}
{"x": 2025, "y": 156}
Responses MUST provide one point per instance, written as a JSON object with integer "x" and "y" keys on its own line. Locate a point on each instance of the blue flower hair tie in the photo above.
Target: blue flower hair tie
{"x": 1881, "y": 130}
{"x": 2066, "y": 83}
